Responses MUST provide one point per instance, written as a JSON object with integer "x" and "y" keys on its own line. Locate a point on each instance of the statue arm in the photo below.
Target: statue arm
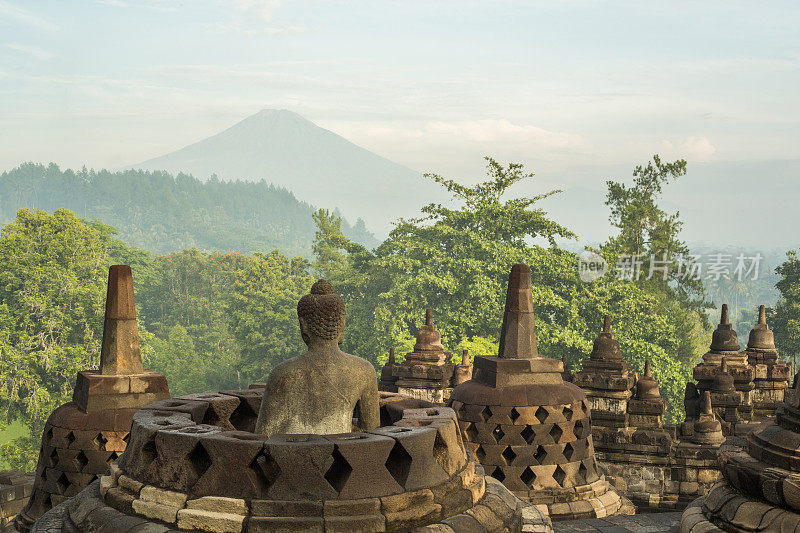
{"x": 269, "y": 412}
{"x": 369, "y": 407}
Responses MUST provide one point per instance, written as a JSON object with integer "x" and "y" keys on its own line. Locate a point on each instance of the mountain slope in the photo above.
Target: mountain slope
{"x": 315, "y": 164}
{"x": 161, "y": 213}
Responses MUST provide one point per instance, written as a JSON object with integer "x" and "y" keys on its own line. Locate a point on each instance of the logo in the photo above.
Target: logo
{"x": 591, "y": 266}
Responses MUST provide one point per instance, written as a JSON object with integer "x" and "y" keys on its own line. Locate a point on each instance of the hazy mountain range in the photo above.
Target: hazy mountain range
{"x": 316, "y": 165}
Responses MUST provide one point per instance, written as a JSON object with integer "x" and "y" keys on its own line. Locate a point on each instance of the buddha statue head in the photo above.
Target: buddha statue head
{"x": 321, "y": 315}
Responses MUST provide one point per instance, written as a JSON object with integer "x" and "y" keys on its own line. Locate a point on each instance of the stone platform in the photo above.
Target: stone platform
{"x": 15, "y": 489}
{"x": 640, "y": 523}
{"x": 190, "y": 466}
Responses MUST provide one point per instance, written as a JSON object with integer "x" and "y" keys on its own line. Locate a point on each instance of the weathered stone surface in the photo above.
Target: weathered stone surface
{"x": 529, "y": 429}
{"x": 204, "y": 520}
{"x": 294, "y": 399}
{"x": 218, "y": 504}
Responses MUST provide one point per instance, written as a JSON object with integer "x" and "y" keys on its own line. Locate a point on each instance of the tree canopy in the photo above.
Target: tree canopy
{"x": 164, "y": 213}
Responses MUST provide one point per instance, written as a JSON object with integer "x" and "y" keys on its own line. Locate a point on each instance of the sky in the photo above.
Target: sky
{"x": 580, "y": 91}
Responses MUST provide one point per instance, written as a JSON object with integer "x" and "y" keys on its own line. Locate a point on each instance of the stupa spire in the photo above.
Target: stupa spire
{"x": 120, "y": 354}
{"x": 518, "y": 333}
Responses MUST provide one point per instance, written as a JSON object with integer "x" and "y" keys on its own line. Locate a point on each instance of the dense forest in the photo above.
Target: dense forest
{"x": 219, "y": 320}
{"x": 161, "y": 213}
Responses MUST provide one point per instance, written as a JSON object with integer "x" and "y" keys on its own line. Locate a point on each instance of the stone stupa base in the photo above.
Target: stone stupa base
{"x": 724, "y": 509}
{"x": 593, "y": 500}
{"x": 754, "y": 496}
{"x": 189, "y": 466}
{"x": 495, "y": 511}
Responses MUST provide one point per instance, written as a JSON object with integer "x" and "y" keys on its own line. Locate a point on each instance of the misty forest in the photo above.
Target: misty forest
{"x": 219, "y": 266}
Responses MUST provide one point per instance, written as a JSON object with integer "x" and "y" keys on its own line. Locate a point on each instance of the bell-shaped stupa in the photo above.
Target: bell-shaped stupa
{"x": 725, "y": 346}
{"x": 607, "y": 380}
{"x": 527, "y": 427}
{"x": 388, "y": 381}
{"x": 428, "y": 372}
{"x": 83, "y": 437}
{"x": 771, "y": 376}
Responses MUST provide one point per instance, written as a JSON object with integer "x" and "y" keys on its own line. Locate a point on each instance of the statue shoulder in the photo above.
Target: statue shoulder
{"x": 360, "y": 363}
{"x": 284, "y": 370}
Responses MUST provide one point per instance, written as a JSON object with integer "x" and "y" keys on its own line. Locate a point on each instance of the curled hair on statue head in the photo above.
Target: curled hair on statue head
{"x": 322, "y": 311}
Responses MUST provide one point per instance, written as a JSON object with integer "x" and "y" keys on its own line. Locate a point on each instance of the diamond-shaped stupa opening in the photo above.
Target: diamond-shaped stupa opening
{"x": 81, "y": 461}
{"x": 53, "y": 458}
{"x": 398, "y": 463}
{"x": 509, "y": 455}
{"x": 62, "y": 483}
{"x": 540, "y": 454}
{"x": 486, "y": 414}
{"x": 541, "y": 414}
{"x": 528, "y": 434}
{"x": 339, "y": 471}
{"x": 556, "y": 432}
{"x": 498, "y": 434}
{"x": 527, "y": 476}
{"x": 263, "y": 471}
{"x": 199, "y": 460}
{"x": 480, "y": 454}
{"x": 569, "y": 451}
{"x": 559, "y": 475}
{"x": 498, "y": 474}
{"x": 100, "y": 441}
{"x": 514, "y": 414}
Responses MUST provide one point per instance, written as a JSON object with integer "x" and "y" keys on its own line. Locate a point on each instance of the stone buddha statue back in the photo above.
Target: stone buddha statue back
{"x": 318, "y": 391}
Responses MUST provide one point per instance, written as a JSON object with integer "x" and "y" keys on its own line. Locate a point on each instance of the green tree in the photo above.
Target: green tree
{"x": 786, "y": 318}
{"x": 456, "y": 260}
{"x": 53, "y": 271}
{"x": 262, "y": 312}
{"x": 647, "y": 231}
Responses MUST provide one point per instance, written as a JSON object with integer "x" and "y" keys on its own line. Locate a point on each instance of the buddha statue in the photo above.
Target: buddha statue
{"x": 320, "y": 391}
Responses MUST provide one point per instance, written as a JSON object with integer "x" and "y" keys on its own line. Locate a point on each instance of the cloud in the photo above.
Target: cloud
{"x": 697, "y": 149}
{"x": 265, "y": 9}
{"x": 161, "y": 6}
{"x": 251, "y": 31}
{"x": 33, "y": 51}
{"x": 23, "y": 16}
{"x": 483, "y": 132}
{"x": 254, "y": 17}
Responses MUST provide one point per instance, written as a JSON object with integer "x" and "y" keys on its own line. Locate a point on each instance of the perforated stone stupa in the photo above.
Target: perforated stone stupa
{"x": 428, "y": 372}
{"x": 527, "y": 427}
{"x": 83, "y": 437}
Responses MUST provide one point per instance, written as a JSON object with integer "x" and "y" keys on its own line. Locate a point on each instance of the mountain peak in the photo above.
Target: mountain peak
{"x": 318, "y": 166}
